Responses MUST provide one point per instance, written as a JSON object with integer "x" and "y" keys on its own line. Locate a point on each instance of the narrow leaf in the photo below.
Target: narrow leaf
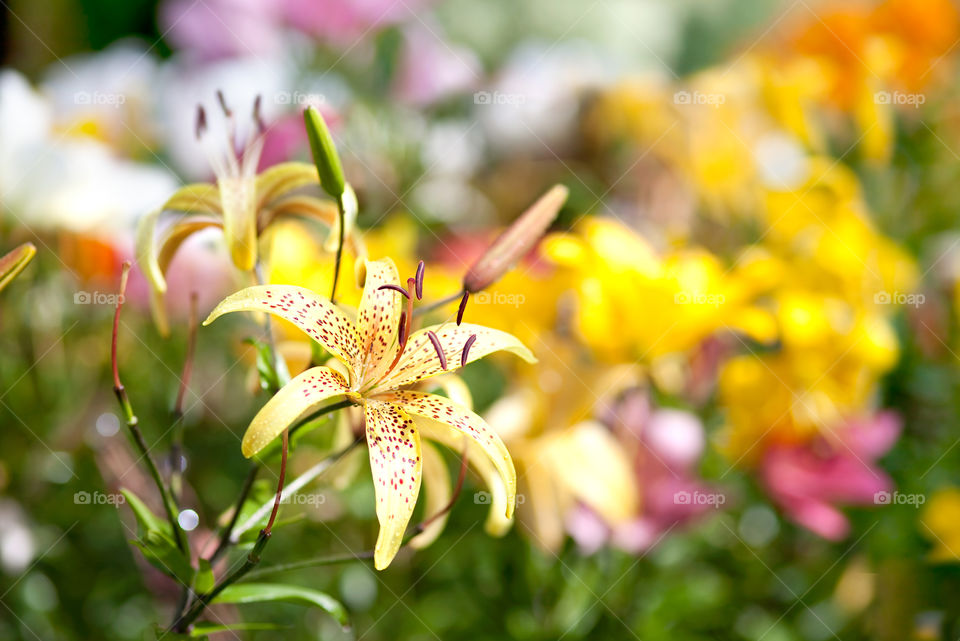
{"x": 260, "y": 592}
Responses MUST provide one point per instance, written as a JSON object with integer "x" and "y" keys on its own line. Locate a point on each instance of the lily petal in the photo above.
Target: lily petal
{"x": 378, "y": 318}
{"x": 298, "y": 398}
{"x": 437, "y": 417}
{"x": 198, "y": 198}
{"x": 282, "y": 178}
{"x": 395, "y": 462}
{"x": 315, "y": 315}
{"x": 436, "y": 483}
{"x": 238, "y": 197}
{"x": 420, "y": 358}
{"x": 302, "y": 205}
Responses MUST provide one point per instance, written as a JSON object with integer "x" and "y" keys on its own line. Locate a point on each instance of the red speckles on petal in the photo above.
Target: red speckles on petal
{"x": 442, "y": 414}
{"x": 315, "y": 315}
{"x": 420, "y": 358}
{"x": 394, "y": 449}
{"x": 378, "y": 317}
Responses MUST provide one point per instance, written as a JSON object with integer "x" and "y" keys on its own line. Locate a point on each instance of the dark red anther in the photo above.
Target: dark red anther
{"x": 436, "y": 345}
{"x": 223, "y": 104}
{"x": 258, "y": 114}
{"x": 201, "y": 125}
{"x": 403, "y": 329}
{"x": 466, "y": 349}
{"x": 463, "y": 307}
{"x": 395, "y": 288}
{"x": 419, "y": 281}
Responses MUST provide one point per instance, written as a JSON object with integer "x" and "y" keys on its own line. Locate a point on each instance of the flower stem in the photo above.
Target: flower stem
{"x": 176, "y": 449}
{"x": 133, "y": 425}
{"x": 228, "y": 530}
{"x": 283, "y": 474}
{"x": 279, "y": 365}
{"x": 423, "y": 309}
{"x": 342, "y": 215}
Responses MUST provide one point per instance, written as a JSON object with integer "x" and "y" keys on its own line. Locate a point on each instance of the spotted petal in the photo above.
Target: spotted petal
{"x": 302, "y": 395}
{"x": 420, "y": 358}
{"x": 314, "y": 314}
{"x": 394, "y": 447}
{"x": 378, "y": 318}
{"x": 442, "y": 420}
{"x": 436, "y": 484}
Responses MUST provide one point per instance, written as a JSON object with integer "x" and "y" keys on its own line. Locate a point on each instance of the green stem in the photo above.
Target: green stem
{"x": 228, "y": 530}
{"x": 133, "y": 425}
{"x": 342, "y": 215}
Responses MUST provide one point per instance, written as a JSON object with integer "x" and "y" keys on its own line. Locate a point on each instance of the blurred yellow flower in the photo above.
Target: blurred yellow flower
{"x": 633, "y": 304}
{"x": 940, "y": 521}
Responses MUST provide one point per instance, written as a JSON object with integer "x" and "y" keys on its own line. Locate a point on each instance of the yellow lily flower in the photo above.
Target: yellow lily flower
{"x": 376, "y": 358}
{"x": 242, "y": 203}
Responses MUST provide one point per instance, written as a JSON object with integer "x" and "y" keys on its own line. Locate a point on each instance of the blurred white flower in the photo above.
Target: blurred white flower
{"x": 52, "y": 180}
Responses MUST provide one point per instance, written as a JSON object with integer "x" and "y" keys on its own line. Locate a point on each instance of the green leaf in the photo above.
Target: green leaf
{"x": 203, "y": 629}
{"x": 265, "y": 365}
{"x": 204, "y": 580}
{"x": 324, "y": 152}
{"x": 148, "y": 521}
{"x": 163, "y": 554}
{"x": 259, "y": 592}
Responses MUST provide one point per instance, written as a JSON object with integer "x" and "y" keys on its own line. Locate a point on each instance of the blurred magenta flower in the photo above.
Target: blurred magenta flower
{"x": 228, "y": 28}
{"x": 224, "y": 28}
{"x": 809, "y": 480}
{"x": 432, "y": 69}
{"x": 668, "y": 445}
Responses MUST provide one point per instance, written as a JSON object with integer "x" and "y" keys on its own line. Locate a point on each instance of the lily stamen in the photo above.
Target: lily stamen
{"x": 436, "y": 345}
{"x": 466, "y": 349}
{"x": 463, "y": 307}
{"x": 395, "y": 288}
{"x": 420, "y": 269}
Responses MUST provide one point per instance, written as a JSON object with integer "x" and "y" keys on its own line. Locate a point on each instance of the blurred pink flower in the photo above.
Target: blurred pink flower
{"x": 668, "y": 445}
{"x": 807, "y": 481}
{"x": 432, "y": 69}
{"x": 224, "y": 28}
{"x": 343, "y": 22}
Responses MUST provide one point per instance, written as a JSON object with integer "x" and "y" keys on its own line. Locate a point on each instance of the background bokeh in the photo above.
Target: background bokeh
{"x": 744, "y": 422}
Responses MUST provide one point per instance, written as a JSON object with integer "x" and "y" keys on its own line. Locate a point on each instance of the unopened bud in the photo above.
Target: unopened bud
{"x": 514, "y": 243}
{"x": 324, "y": 153}
{"x": 14, "y": 262}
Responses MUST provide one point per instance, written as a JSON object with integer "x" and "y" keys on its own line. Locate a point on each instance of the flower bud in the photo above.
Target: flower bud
{"x": 13, "y": 262}
{"x": 324, "y": 153}
{"x": 514, "y": 243}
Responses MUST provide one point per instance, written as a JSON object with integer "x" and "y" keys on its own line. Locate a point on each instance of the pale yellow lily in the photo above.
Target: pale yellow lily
{"x": 375, "y": 359}
{"x": 242, "y": 203}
